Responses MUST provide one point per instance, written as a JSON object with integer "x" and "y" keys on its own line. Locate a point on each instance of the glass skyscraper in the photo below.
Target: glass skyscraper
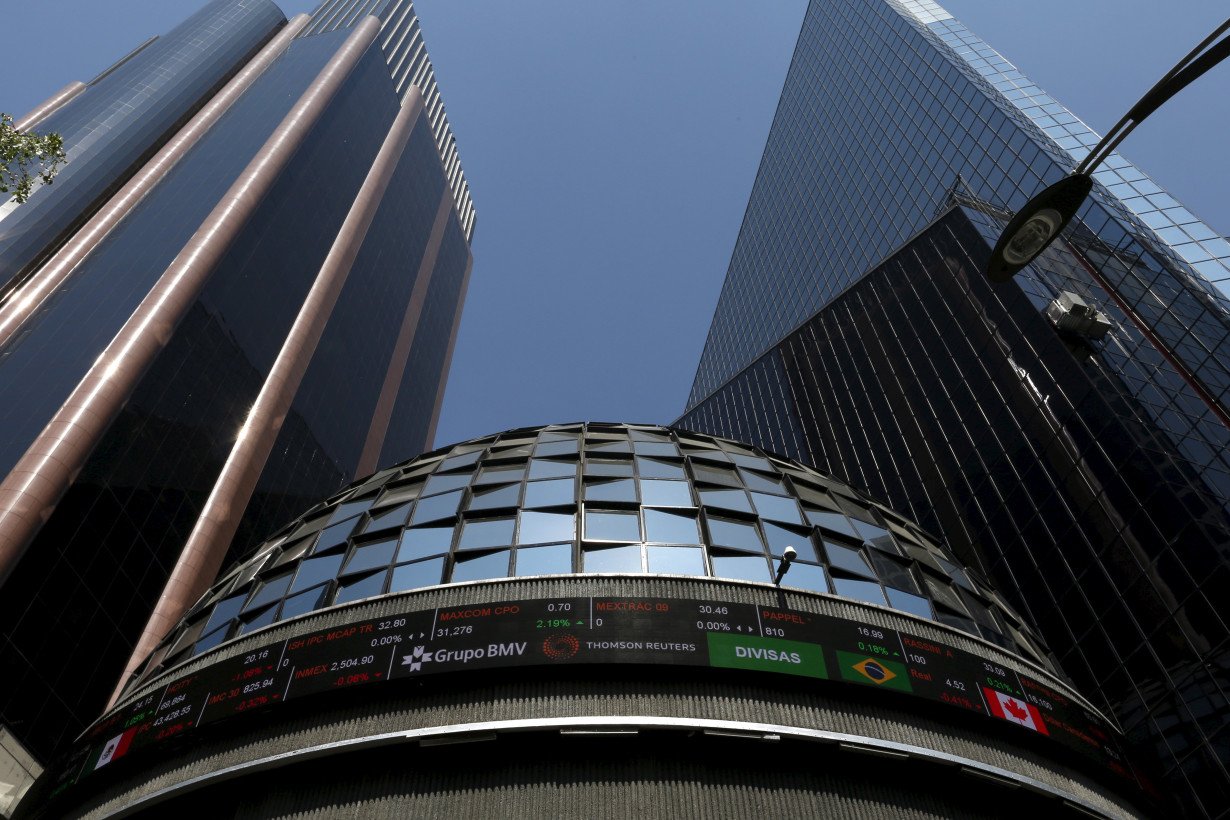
{"x": 242, "y": 291}
{"x": 1087, "y": 469}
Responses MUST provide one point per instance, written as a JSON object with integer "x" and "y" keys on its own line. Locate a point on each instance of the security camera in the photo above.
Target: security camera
{"x": 788, "y": 556}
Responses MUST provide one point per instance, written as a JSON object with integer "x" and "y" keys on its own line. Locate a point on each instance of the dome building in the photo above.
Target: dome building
{"x": 583, "y": 619}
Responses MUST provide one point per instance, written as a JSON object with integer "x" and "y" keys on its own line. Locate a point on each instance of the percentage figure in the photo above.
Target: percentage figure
{"x": 713, "y": 626}
{"x": 553, "y": 623}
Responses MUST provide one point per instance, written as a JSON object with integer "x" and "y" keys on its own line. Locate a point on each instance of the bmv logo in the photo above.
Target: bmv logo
{"x": 416, "y": 659}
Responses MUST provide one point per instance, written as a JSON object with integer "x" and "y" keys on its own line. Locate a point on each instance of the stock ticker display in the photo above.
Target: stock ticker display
{"x": 565, "y": 631}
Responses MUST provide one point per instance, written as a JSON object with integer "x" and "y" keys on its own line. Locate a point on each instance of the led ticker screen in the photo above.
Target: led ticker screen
{"x": 563, "y": 631}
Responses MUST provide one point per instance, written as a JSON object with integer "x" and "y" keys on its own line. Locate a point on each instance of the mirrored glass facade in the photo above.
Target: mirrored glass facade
{"x": 962, "y": 405}
{"x": 595, "y": 498}
{"x": 89, "y": 577}
{"x": 1101, "y": 501}
{"x": 126, "y": 112}
{"x": 889, "y": 111}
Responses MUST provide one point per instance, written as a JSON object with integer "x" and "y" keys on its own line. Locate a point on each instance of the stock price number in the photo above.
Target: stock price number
{"x": 256, "y": 686}
{"x": 1038, "y": 701}
{"x": 255, "y": 657}
{"x": 349, "y": 663}
{"x": 174, "y": 715}
{"x": 454, "y": 631}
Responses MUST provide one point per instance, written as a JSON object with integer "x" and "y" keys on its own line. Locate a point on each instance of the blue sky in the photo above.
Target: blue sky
{"x": 611, "y": 148}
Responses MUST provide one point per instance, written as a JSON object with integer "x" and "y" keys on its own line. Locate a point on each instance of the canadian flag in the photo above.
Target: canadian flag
{"x": 1015, "y": 710}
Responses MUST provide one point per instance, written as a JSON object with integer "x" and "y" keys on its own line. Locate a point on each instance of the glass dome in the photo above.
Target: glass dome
{"x": 594, "y": 498}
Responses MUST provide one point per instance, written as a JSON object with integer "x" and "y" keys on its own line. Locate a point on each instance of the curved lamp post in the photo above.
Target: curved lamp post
{"x": 1043, "y": 217}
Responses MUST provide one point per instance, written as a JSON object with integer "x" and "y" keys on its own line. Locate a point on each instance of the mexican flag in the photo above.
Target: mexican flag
{"x": 113, "y": 748}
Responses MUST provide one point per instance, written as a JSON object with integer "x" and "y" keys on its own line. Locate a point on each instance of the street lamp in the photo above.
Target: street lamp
{"x": 1043, "y": 217}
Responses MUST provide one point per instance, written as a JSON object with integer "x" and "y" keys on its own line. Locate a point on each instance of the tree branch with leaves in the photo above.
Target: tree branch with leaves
{"x": 25, "y": 157}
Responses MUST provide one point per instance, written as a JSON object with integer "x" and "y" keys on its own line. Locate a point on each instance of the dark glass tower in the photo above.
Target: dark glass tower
{"x": 241, "y": 292}
{"x": 1067, "y": 432}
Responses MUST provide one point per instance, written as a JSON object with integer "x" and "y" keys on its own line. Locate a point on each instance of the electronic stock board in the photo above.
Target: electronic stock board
{"x": 596, "y": 630}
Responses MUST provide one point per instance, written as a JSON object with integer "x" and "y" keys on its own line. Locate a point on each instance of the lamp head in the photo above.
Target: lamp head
{"x": 1036, "y": 225}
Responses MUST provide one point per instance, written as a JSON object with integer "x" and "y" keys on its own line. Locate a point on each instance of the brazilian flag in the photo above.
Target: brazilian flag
{"x": 874, "y": 671}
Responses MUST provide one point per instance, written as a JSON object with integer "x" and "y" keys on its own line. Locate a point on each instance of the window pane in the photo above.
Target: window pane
{"x": 850, "y": 560}
{"x": 388, "y": 517}
{"x": 715, "y": 474}
{"x": 492, "y": 565}
{"x": 835, "y": 522}
{"x": 303, "y": 602}
{"x": 489, "y": 499}
{"x": 665, "y": 493}
{"x": 608, "y": 447}
{"x": 370, "y": 556}
{"x": 754, "y": 462}
{"x": 909, "y": 603}
{"x": 364, "y": 587}
{"x": 210, "y": 641}
{"x": 956, "y": 621}
{"x": 671, "y": 527}
{"x": 463, "y": 460}
{"x": 956, "y": 573}
{"x": 869, "y": 532}
{"x": 555, "y": 448}
{"x": 553, "y": 560}
{"x": 333, "y": 536}
{"x": 442, "y": 483}
{"x": 741, "y": 567}
{"x": 495, "y": 532}
{"x": 539, "y": 527}
{"x": 859, "y": 590}
{"x": 728, "y": 499}
{"x": 542, "y": 468}
{"x": 271, "y": 591}
{"x": 502, "y": 473}
{"x": 608, "y": 467}
{"x": 807, "y": 576}
{"x": 654, "y": 468}
{"x": 779, "y": 538}
{"x": 623, "y": 489}
{"x": 550, "y": 493}
{"x": 350, "y": 509}
{"x": 676, "y": 560}
{"x": 315, "y": 570}
{"x": 893, "y": 573}
{"x": 397, "y": 493}
{"x": 777, "y": 508}
{"x": 649, "y": 448}
{"x": 434, "y": 509}
{"x": 737, "y": 534}
{"x": 613, "y": 559}
{"x": 612, "y": 526}
{"x": 224, "y": 611}
{"x": 943, "y": 593}
{"x": 756, "y": 481}
{"x": 424, "y": 541}
{"x": 266, "y": 618}
{"x": 420, "y": 574}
